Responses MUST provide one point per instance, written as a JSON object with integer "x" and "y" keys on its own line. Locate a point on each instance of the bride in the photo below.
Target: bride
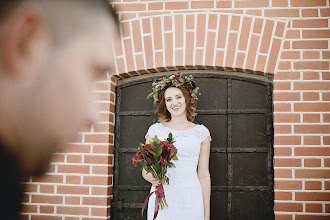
{"x": 189, "y": 189}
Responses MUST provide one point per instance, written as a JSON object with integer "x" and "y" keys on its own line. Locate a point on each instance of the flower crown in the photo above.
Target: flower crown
{"x": 178, "y": 81}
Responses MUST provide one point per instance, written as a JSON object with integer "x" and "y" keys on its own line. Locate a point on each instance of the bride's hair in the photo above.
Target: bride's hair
{"x": 164, "y": 115}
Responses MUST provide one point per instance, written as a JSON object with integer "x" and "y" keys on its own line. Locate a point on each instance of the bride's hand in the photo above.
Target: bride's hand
{"x": 150, "y": 178}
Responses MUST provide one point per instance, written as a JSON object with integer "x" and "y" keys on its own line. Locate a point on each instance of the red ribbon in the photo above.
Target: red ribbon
{"x": 159, "y": 195}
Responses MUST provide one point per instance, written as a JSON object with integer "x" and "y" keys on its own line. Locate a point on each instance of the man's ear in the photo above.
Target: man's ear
{"x": 23, "y": 42}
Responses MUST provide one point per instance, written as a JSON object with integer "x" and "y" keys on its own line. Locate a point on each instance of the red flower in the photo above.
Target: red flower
{"x": 173, "y": 152}
{"x": 170, "y": 146}
{"x": 162, "y": 143}
{"x": 189, "y": 87}
{"x": 134, "y": 161}
{"x": 148, "y": 147}
{"x": 178, "y": 76}
{"x": 163, "y": 160}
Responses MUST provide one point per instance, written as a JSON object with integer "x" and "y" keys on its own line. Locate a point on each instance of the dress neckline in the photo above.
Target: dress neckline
{"x": 178, "y": 130}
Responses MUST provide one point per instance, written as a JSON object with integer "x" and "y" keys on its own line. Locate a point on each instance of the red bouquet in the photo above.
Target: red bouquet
{"x": 155, "y": 158}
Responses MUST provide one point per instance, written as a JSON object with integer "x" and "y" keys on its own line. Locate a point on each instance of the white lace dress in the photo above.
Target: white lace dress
{"x": 184, "y": 193}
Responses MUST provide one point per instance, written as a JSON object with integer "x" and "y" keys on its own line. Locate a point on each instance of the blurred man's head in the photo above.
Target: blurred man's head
{"x": 51, "y": 52}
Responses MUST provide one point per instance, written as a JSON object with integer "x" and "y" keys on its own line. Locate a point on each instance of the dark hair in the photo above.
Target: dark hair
{"x": 58, "y": 12}
{"x": 164, "y": 115}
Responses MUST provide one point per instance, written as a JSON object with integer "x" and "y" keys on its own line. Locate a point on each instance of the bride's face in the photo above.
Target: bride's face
{"x": 175, "y": 101}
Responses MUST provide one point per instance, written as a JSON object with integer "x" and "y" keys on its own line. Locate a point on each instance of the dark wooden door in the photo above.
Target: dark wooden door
{"x": 237, "y": 109}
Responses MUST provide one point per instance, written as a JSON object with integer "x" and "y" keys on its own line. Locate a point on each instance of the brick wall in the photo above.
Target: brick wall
{"x": 288, "y": 39}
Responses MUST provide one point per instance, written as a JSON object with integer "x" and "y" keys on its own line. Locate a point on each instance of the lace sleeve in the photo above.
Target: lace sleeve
{"x": 205, "y": 133}
{"x": 151, "y": 131}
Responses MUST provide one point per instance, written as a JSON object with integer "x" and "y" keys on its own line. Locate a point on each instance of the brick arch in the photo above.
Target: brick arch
{"x": 200, "y": 40}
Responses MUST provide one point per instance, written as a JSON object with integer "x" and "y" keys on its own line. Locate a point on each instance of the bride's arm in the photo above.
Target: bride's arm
{"x": 204, "y": 176}
{"x": 148, "y": 177}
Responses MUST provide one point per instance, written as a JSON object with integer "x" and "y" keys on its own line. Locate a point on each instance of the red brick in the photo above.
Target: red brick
{"x": 311, "y": 75}
{"x": 288, "y": 207}
{"x": 287, "y": 185}
{"x": 251, "y": 4}
{"x": 102, "y": 170}
{"x": 311, "y": 107}
{"x": 73, "y": 190}
{"x": 176, "y": 5}
{"x": 290, "y": 55}
{"x": 312, "y": 196}
{"x": 325, "y": 12}
{"x": 311, "y": 44}
{"x": 311, "y": 96}
{"x": 283, "y": 217}
{"x": 312, "y": 140}
{"x": 286, "y": 75}
{"x": 73, "y": 179}
{"x": 287, "y": 140}
{"x": 44, "y": 217}
{"x": 49, "y": 179}
{"x": 287, "y": 162}
{"x": 74, "y": 148}
{"x": 74, "y": 158}
{"x": 327, "y": 208}
{"x": 326, "y": 96}
{"x": 284, "y": 65}
{"x": 279, "y": 3}
{"x": 287, "y": 96}
{"x": 47, "y": 199}
{"x": 254, "y": 12}
{"x": 326, "y": 140}
{"x": 281, "y": 12}
{"x": 72, "y": 200}
{"x": 46, "y": 189}
{"x": 47, "y": 209}
{"x": 282, "y": 129}
{"x": 283, "y": 195}
{"x": 282, "y": 173}
{"x": 97, "y": 159}
{"x": 308, "y": 3}
{"x": 100, "y": 211}
{"x": 326, "y": 117}
{"x": 282, "y": 151}
{"x": 29, "y": 208}
{"x": 312, "y": 34}
{"x": 313, "y": 185}
{"x": 286, "y": 118}
{"x": 100, "y": 191}
{"x": 309, "y": 12}
{"x": 97, "y": 180}
{"x": 311, "y": 118}
{"x": 131, "y": 7}
{"x": 202, "y": 4}
{"x": 72, "y": 210}
{"x": 224, "y": 4}
{"x": 282, "y": 107}
{"x": 312, "y": 151}
{"x": 326, "y": 162}
{"x": 95, "y": 201}
{"x": 292, "y": 34}
{"x": 311, "y": 129}
{"x": 327, "y": 185}
{"x": 73, "y": 169}
{"x": 310, "y": 23}
{"x": 314, "y": 208}
{"x": 320, "y": 65}
{"x": 326, "y": 54}
{"x": 312, "y": 162}
{"x": 311, "y": 55}
{"x": 97, "y": 138}
{"x": 282, "y": 86}
{"x": 312, "y": 174}
{"x": 155, "y": 6}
